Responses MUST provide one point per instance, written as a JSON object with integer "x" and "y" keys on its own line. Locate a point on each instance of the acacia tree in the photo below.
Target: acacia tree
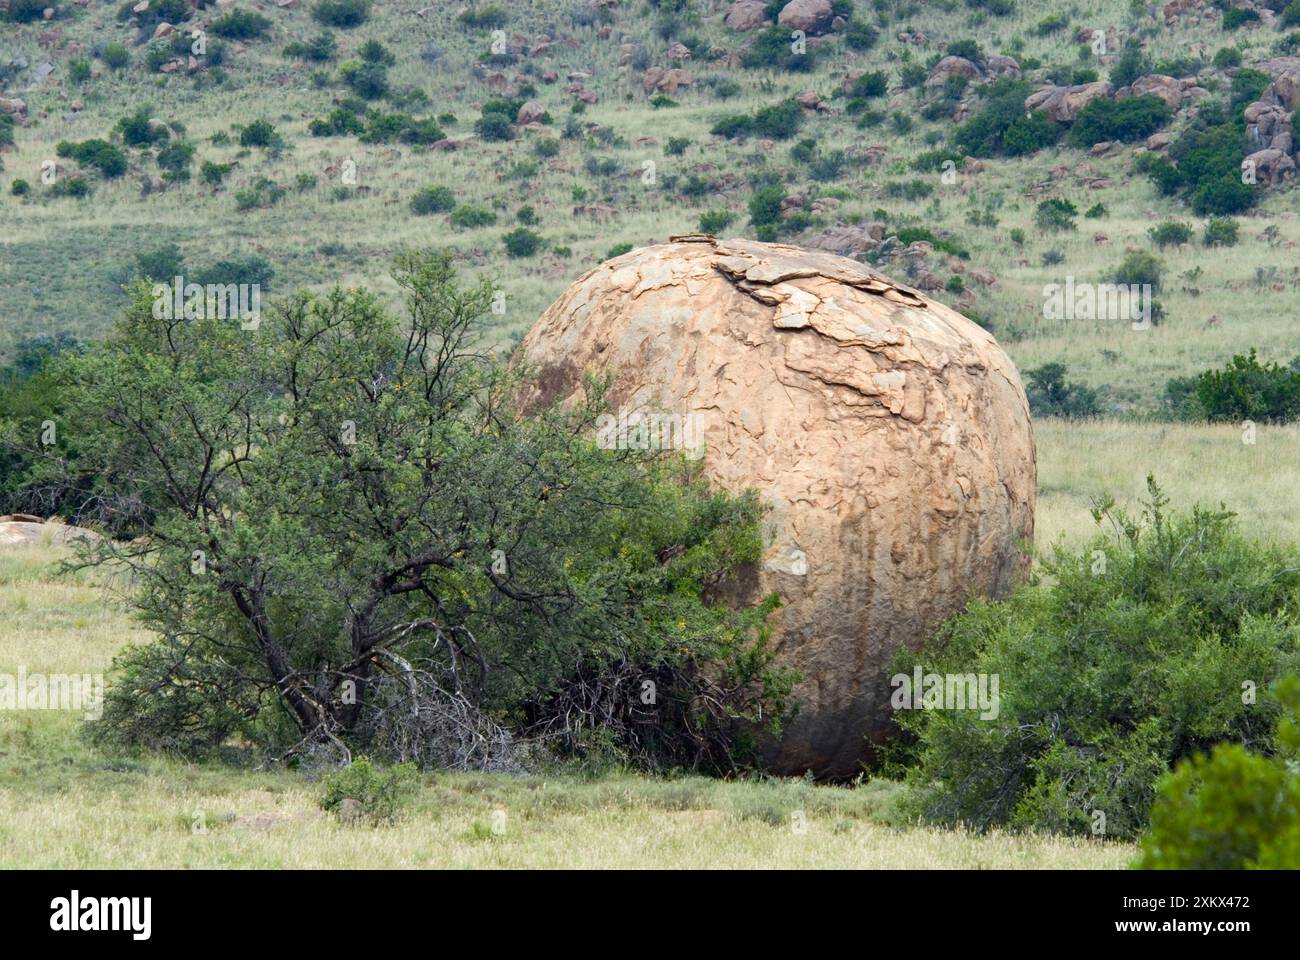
{"x": 356, "y": 541}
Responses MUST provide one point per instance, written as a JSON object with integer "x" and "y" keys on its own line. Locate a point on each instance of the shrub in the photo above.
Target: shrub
{"x": 468, "y": 217}
{"x": 214, "y": 173}
{"x": 676, "y": 146}
{"x": 27, "y": 11}
{"x": 174, "y": 160}
{"x": 765, "y": 205}
{"x": 1248, "y": 85}
{"x": 1051, "y": 395}
{"x": 522, "y": 242}
{"x": 1227, "y": 57}
{"x": 320, "y": 49}
{"x": 1129, "y": 65}
{"x": 368, "y": 80}
{"x": 1123, "y": 120}
{"x": 1002, "y": 128}
{"x": 1220, "y": 232}
{"x": 341, "y": 13}
{"x": 715, "y": 221}
{"x": 491, "y": 17}
{"x": 240, "y": 25}
{"x": 860, "y": 36}
{"x": 115, "y": 56}
{"x": 1124, "y": 657}
{"x": 1246, "y": 389}
{"x": 100, "y": 155}
{"x": 772, "y": 50}
{"x": 432, "y": 199}
{"x": 967, "y": 49}
{"x": 1137, "y": 269}
{"x": 1291, "y": 14}
{"x": 76, "y": 187}
{"x": 1055, "y": 214}
{"x": 380, "y": 794}
{"x": 1096, "y": 211}
{"x": 1235, "y": 17}
{"x": 494, "y": 127}
{"x": 20, "y": 188}
{"x": 78, "y": 70}
{"x": 1232, "y": 810}
{"x": 629, "y": 549}
{"x": 868, "y": 85}
{"x": 1170, "y": 234}
{"x": 259, "y": 133}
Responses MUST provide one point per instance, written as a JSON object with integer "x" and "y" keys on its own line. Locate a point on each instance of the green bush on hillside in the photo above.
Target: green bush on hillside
{"x": 1002, "y": 128}
{"x": 1123, "y": 120}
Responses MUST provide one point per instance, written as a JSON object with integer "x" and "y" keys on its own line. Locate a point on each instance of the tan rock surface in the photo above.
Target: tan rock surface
{"x": 889, "y": 435}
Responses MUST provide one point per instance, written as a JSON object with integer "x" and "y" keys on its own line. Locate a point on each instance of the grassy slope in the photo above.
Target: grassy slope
{"x": 61, "y": 257}
{"x": 64, "y": 804}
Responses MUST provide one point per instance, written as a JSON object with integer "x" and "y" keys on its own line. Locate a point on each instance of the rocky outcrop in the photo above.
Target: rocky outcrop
{"x": 1062, "y": 104}
{"x": 888, "y": 434}
{"x": 23, "y": 530}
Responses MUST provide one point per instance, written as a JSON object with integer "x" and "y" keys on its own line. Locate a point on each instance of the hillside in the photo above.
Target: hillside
{"x": 614, "y": 147}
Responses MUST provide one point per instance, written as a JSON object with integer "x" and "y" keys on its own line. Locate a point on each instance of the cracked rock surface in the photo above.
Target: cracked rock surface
{"x": 889, "y": 435}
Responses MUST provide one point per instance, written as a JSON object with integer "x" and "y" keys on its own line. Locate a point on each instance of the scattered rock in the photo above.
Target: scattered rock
{"x": 810, "y": 16}
{"x": 746, "y": 15}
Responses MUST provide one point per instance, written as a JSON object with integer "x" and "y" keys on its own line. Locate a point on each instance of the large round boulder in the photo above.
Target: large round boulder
{"x": 889, "y": 435}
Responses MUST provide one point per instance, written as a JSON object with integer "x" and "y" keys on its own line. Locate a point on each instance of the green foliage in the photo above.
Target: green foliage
{"x": 860, "y": 36}
{"x": 344, "y": 14}
{"x": 1139, "y": 268}
{"x": 368, "y": 80}
{"x": 779, "y": 121}
{"x": 617, "y": 250}
{"x": 1236, "y": 17}
{"x": 1248, "y": 85}
{"x": 469, "y": 216}
{"x": 1051, "y": 395}
{"x": 432, "y": 199}
{"x": 368, "y": 507}
{"x": 1055, "y": 214}
{"x": 967, "y": 49}
{"x": 522, "y": 242}
{"x": 100, "y": 155}
{"x": 78, "y": 70}
{"x": 765, "y": 205}
{"x": 1131, "y": 64}
{"x": 260, "y": 133}
{"x": 136, "y": 130}
{"x": 1123, "y": 658}
{"x": 240, "y": 24}
{"x": 773, "y": 50}
{"x": 174, "y": 160}
{"x": 380, "y": 793}
{"x": 715, "y": 221}
{"x": 319, "y": 49}
{"x": 1226, "y": 57}
{"x": 1246, "y": 389}
{"x": 494, "y": 127}
{"x": 115, "y": 56}
{"x": 20, "y": 188}
{"x": 490, "y": 17}
{"x": 1123, "y": 120}
{"x": 1220, "y": 232}
{"x": 1170, "y": 234}
{"x": 871, "y": 84}
{"x": 1002, "y": 126}
{"x": 1232, "y": 810}
{"x": 27, "y": 11}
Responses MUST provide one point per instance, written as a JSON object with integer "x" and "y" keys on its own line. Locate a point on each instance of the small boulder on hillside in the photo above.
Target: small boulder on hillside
{"x": 810, "y": 16}
{"x": 746, "y": 15}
